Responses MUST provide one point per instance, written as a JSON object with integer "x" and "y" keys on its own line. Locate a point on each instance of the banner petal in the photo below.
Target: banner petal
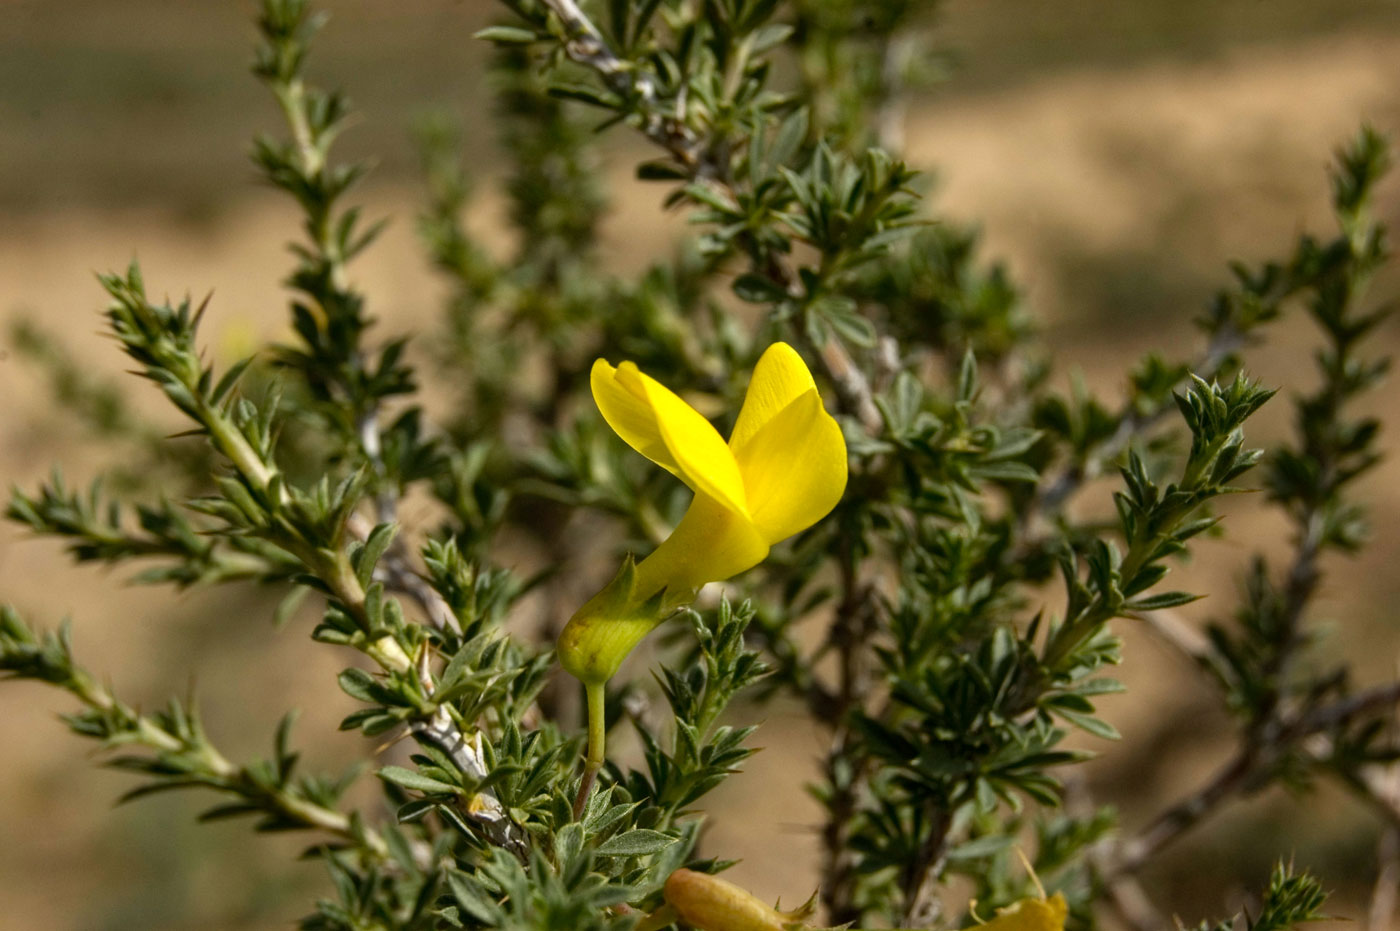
{"x": 794, "y": 468}
{"x": 779, "y": 378}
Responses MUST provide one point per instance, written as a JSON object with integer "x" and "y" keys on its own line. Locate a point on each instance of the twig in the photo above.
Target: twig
{"x": 850, "y": 629}
{"x": 440, "y": 729}
{"x": 1131, "y": 422}
{"x": 393, "y": 569}
{"x": 470, "y": 757}
{"x": 1260, "y": 749}
{"x": 838, "y": 861}
{"x": 892, "y": 113}
{"x": 1172, "y": 629}
{"x": 1125, "y": 894}
{"x": 852, "y": 386}
{"x": 1344, "y": 710}
{"x": 1230, "y": 779}
{"x": 585, "y": 46}
{"x": 1130, "y": 901}
{"x": 925, "y": 909}
{"x": 398, "y": 575}
{"x": 1276, "y": 729}
{"x": 1370, "y": 783}
{"x": 205, "y": 766}
{"x": 1381, "y": 913}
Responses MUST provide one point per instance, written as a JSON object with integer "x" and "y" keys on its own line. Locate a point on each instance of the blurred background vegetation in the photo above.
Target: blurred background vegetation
{"x": 1115, "y": 153}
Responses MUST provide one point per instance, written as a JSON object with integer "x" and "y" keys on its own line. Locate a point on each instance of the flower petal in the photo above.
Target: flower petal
{"x": 1030, "y": 915}
{"x": 623, "y": 402}
{"x": 658, "y": 424}
{"x": 705, "y": 462}
{"x": 794, "y": 468}
{"x": 779, "y": 378}
{"x": 710, "y": 544}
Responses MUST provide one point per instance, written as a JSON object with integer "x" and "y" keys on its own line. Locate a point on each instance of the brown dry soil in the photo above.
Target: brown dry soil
{"x": 1113, "y": 195}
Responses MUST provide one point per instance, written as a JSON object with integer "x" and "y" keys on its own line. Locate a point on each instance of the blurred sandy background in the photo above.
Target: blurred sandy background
{"x": 1116, "y": 152}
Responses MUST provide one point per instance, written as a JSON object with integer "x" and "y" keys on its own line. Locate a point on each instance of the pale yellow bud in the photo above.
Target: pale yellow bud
{"x": 712, "y": 904}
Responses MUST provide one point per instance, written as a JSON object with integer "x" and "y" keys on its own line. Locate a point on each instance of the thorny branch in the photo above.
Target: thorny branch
{"x": 1175, "y": 631}
{"x": 187, "y": 750}
{"x": 587, "y": 47}
{"x": 310, "y": 140}
{"x": 440, "y": 729}
{"x": 1343, "y": 711}
{"x": 1132, "y": 422}
{"x": 1381, "y": 912}
{"x": 851, "y": 627}
{"x": 925, "y": 908}
{"x": 1289, "y": 721}
{"x": 1234, "y": 777}
{"x": 1249, "y": 767}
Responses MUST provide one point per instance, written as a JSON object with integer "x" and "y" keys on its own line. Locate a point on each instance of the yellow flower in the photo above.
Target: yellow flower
{"x": 783, "y": 469}
{"x": 1040, "y": 914}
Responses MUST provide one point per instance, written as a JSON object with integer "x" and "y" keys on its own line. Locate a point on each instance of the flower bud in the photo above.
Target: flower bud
{"x": 713, "y": 904}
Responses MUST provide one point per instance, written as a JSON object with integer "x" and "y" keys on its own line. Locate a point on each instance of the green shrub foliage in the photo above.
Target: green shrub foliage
{"x": 948, "y": 626}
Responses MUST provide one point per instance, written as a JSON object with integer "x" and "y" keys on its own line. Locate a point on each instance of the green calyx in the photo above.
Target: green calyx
{"x": 605, "y": 630}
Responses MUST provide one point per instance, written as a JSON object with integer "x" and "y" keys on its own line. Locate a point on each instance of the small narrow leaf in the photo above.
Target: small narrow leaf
{"x": 413, "y": 780}
{"x": 635, "y": 843}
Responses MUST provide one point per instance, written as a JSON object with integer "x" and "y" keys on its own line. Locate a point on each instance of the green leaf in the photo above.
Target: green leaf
{"x": 230, "y": 379}
{"x": 660, "y": 170}
{"x": 287, "y": 607}
{"x": 1089, "y": 724}
{"x": 368, "y": 556}
{"x": 414, "y": 780}
{"x": 770, "y": 37}
{"x": 583, "y": 93}
{"x": 1005, "y": 472}
{"x": 507, "y": 35}
{"x": 359, "y": 685}
{"x": 854, "y": 328}
{"x": 474, "y": 899}
{"x": 635, "y": 843}
{"x": 757, "y": 289}
{"x": 1164, "y": 600}
{"x": 981, "y": 847}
